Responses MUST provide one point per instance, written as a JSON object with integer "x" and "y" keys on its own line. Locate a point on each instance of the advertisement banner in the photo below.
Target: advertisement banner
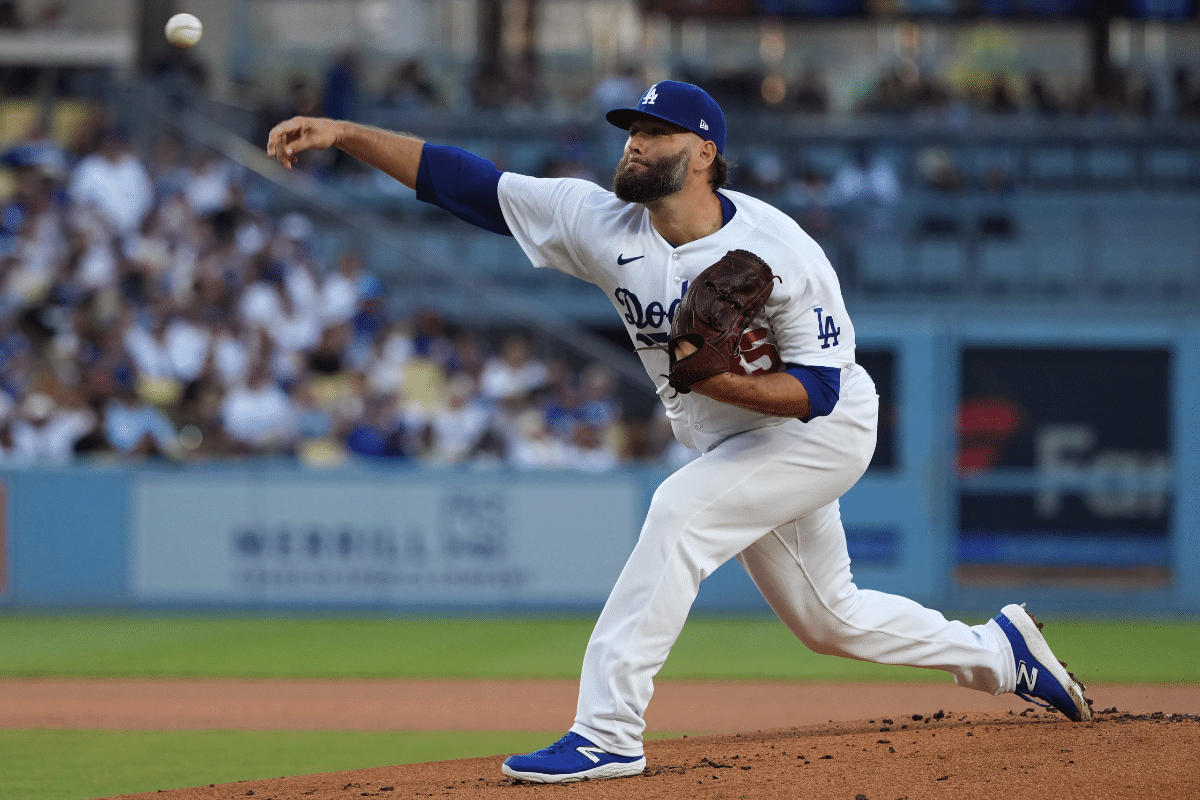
{"x": 1097, "y": 418}
{"x": 380, "y": 541}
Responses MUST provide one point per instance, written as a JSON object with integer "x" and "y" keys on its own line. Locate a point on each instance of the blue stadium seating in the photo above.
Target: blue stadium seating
{"x": 1051, "y": 165}
{"x": 940, "y": 263}
{"x": 1002, "y": 265}
{"x": 1110, "y": 165}
{"x": 882, "y": 263}
{"x": 1169, "y": 165}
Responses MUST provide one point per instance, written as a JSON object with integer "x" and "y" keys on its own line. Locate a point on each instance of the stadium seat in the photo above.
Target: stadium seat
{"x": 1051, "y": 165}
{"x": 1168, "y": 166}
{"x": 1110, "y": 165}
{"x": 1056, "y": 262}
{"x": 438, "y": 246}
{"x": 487, "y": 256}
{"x": 940, "y": 263}
{"x": 1177, "y": 263}
{"x": 976, "y": 161}
{"x": 1052, "y": 234}
{"x": 1001, "y": 265}
{"x": 1152, "y": 248}
{"x": 882, "y": 264}
{"x": 1120, "y": 260}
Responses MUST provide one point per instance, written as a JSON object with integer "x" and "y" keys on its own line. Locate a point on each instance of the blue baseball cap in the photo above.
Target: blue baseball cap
{"x": 682, "y": 104}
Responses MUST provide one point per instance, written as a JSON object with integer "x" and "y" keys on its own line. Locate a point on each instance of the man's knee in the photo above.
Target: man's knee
{"x": 826, "y": 630}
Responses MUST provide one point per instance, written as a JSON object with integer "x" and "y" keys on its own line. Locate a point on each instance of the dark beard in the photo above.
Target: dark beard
{"x": 662, "y": 178}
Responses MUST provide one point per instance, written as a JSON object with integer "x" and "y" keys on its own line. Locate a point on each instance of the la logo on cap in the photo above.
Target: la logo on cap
{"x": 650, "y": 96}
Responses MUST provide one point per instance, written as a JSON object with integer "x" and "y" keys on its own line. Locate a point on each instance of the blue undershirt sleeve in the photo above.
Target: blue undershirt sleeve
{"x": 462, "y": 183}
{"x": 823, "y": 385}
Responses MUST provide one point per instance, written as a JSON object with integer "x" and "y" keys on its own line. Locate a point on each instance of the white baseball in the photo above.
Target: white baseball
{"x": 183, "y": 30}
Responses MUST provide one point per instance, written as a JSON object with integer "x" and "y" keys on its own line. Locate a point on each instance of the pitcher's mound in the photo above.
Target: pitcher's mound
{"x": 983, "y": 756}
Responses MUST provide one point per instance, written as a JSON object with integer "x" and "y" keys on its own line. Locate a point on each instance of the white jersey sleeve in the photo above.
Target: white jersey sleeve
{"x": 806, "y": 313}
{"x": 547, "y": 216}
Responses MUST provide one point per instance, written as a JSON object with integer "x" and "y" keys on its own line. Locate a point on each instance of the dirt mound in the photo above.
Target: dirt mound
{"x": 1026, "y": 754}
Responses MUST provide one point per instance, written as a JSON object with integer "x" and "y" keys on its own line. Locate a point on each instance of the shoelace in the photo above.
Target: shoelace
{"x": 559, "y": 745}
{"x": 1035, "y": 700}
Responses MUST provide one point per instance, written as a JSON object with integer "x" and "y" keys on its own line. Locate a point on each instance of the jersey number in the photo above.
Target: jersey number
{"x": 826, "y": 329}
{"x": 759, "y": 355}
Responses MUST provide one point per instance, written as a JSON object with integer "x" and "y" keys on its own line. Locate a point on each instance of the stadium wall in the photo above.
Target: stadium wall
{"x": 1042, "y": 463}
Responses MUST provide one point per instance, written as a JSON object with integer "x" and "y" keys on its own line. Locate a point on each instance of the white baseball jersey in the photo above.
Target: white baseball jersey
{"x": 578, "y": 228}
{"x": 769, "y": 496}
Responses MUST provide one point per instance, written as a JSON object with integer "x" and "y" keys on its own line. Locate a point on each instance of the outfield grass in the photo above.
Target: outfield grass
{"x": 80, "y": 765}
{"x": 84, "y": 764}
{"x": 751, "y": 648}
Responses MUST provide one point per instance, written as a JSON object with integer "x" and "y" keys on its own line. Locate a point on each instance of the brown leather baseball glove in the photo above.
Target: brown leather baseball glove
{"x": 713, "y": 315}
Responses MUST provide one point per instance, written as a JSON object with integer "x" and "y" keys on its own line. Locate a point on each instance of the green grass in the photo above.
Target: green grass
{"x": 262, "y": 647}
{"x": 754, "y": 648}
{"x": 84, "y": 764}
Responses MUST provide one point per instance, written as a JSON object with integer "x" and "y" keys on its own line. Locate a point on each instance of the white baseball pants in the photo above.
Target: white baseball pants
{"x": 769, "y": 497}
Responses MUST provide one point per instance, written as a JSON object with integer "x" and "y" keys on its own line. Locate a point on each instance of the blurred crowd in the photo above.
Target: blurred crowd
{"x": 905, "y": 91}
{"x": 148, "y": 311}
{"x": 899, "y": 90}
{"x": 989, "y": 74}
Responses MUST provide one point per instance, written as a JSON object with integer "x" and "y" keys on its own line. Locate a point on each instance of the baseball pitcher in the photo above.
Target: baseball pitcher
{"x": 738, "y": 318}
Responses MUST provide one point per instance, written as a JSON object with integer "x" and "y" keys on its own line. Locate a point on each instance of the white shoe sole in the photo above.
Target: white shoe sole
{"x": 613, "y": 770}
{"x": 1040, "y": 649}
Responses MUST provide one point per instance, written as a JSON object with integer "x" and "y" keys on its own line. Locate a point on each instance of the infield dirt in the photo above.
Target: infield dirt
{"x": 967, "y": 758}
{"x": 904, "y": 740}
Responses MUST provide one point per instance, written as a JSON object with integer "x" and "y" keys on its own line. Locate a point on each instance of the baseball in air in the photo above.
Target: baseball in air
{"x": 183, "y": 30}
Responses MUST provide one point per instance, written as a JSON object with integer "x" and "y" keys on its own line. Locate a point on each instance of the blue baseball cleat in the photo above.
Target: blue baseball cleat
{"x": 572, "y": 758}
{"x": 1041, "y": 678}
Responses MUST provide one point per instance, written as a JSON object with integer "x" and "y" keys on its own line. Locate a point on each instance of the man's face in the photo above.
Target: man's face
{"x": 655, "y": 164}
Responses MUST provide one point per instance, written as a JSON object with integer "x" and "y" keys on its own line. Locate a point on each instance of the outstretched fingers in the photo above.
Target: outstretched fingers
{"x": 279, "y": 142}
{"x": 290, "y": 138}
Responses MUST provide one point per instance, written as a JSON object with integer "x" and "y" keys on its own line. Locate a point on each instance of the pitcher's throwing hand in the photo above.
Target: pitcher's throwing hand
{"x": 290, "y": 138}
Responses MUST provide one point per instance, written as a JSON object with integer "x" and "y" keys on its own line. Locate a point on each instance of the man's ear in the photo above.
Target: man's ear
{"x": 704, "y": 155}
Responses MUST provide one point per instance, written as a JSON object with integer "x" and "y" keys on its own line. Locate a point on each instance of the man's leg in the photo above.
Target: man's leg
{"x": 701, "y": 516}
{"x": 803, "y": 571}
